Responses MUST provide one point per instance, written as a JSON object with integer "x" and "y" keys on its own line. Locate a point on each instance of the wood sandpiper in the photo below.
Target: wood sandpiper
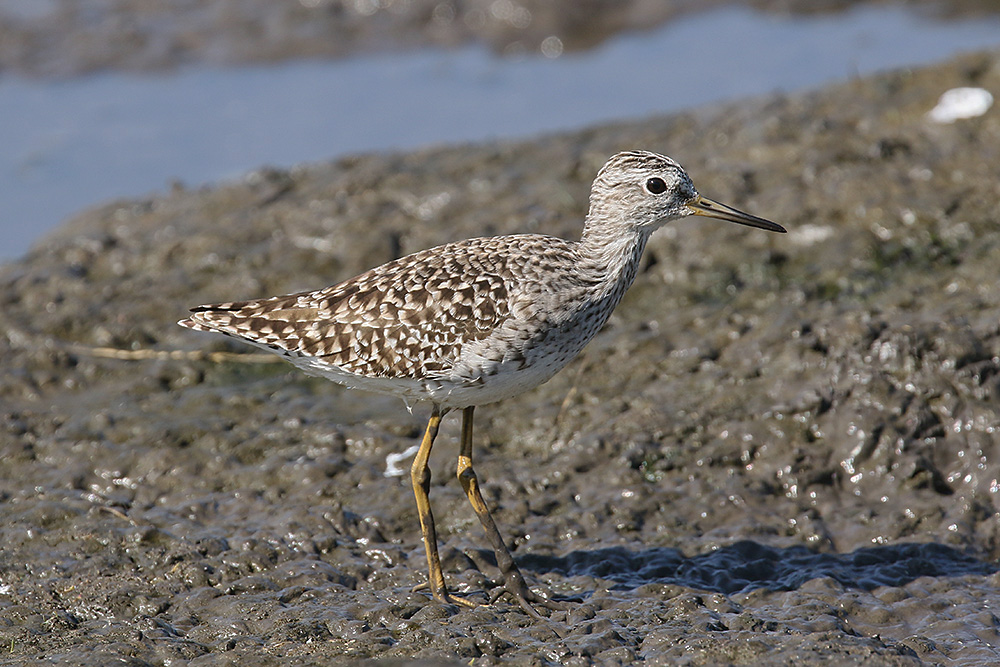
{"x": 477, "y": 321}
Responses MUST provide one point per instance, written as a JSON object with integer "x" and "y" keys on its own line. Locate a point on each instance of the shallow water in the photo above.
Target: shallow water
{"x": 77, "y": 142}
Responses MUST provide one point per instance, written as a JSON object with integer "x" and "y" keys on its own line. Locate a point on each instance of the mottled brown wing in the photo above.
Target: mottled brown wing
{"x": 405, "y": 319}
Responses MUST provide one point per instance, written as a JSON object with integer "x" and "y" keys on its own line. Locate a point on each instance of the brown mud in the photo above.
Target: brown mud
{"x": 781, "y": 449}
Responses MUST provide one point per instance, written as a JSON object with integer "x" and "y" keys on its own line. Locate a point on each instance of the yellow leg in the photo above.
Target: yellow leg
{"x": 420, "y": 476}
{"x": 514, "y": 584}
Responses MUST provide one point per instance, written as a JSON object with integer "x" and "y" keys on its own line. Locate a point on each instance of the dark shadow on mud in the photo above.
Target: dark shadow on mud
{"x": 747, "y": 566}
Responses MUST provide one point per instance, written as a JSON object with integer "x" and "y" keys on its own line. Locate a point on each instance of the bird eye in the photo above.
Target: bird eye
{"x": 656, "y": 186}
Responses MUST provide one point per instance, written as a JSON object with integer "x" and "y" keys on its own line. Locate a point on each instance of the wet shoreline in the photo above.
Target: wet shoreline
{"x": 64, "y": 38}
{"x": 778, "y": 449}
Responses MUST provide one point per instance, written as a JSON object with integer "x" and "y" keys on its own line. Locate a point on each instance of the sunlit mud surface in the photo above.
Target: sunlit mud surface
{"x": 781, "y": 449}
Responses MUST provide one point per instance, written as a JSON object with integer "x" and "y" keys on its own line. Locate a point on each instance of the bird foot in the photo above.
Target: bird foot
{"x": 446, "y": 597}
{"x": 527, "y": 598}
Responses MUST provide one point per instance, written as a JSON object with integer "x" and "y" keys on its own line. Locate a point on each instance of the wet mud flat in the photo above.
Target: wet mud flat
{"x": 780, "y": 449}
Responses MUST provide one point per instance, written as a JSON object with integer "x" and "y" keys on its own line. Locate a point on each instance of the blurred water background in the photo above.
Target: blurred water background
{"x": 74, "y": 141}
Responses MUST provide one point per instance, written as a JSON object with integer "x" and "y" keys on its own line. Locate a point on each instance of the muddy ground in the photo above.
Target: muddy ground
{"x": 782, "y": 449}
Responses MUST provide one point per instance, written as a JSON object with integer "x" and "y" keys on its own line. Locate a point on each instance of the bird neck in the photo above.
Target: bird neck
{"x": 611, "y": 253}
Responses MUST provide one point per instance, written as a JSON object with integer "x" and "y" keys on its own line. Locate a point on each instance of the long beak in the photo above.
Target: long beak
{"x": 713, "y": 209}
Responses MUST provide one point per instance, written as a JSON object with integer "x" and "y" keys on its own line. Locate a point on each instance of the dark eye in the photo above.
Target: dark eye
{"x": 656, "y": 186}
